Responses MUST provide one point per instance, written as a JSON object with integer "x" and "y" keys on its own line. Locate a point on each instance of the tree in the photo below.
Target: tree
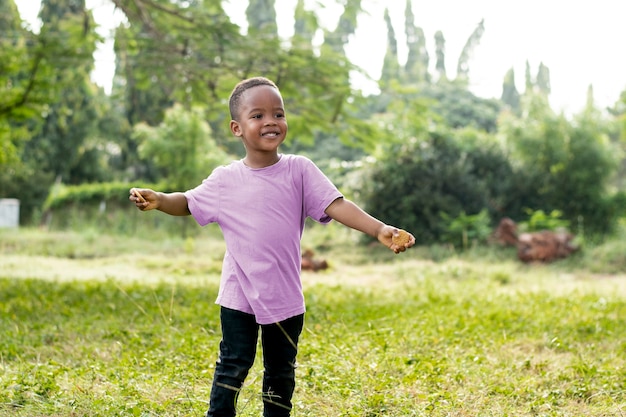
{"x": 619, "y": 112}
{"x": 618, "y": 136}
{"x": 338, "y": 39}
{"x": 528, "y": 78}
{"x": 566, "y": 166}
{"x": 416, "y": 67}
{"x": 12, "y": 49}
{"x": 438, "y": 176}
{"x": 181, "y": 147}
{"x": 462, "y": 69}
{"x": 261, "y": 16}
{"x": 440, "y": 53}
{"x": 70, "y": 118}
{"x": 194, "y": 54}
{"x": 170, "y": 53}
{"x": 450, "y": 99}
{"x": 391, "y": 67}
{"x": 305, "y": 26}
{"x": 543, "y": 79}
{"x": 40, "y": 67}
{"x": 28, "y": 64}
{"x": 333, "y": 121}
{"x": 510, "y": 95}
{"x": 348, "y": 133}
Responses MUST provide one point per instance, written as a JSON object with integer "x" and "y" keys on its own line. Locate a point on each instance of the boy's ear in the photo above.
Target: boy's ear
{"x": 235, "y": 128}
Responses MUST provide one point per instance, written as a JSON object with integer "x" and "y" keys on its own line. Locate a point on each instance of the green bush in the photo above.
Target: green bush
{"x": 563, "y": 165}
{"x": 539, "y": 220}
{"x": 467, "y": 229}
{"x": 63, "y": 196}
{"x": 105, "y": 207}
{"x": 421, "y": 185}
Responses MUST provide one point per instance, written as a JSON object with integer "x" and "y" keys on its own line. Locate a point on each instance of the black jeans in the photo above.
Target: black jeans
{"x": 237, "y": 353}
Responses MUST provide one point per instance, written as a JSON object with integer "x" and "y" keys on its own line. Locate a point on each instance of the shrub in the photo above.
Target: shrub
{"x": 419, "y": 181}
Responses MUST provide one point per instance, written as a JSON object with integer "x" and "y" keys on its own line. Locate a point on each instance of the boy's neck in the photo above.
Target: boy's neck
{"x": 261, "y": 161}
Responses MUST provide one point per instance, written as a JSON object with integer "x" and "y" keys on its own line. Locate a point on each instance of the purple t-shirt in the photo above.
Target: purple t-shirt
{"x": 261, "y": 213}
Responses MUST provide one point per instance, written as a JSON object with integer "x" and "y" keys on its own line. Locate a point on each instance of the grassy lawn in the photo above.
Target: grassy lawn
{"x": 95, "y": 325}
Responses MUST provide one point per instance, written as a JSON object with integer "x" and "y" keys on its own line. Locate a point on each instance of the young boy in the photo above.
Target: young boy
{"x": 261, "y": 203}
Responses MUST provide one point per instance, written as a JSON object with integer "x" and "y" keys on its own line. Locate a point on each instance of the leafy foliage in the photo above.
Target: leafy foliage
{"x": 460, "y": 108}
{"x": 539, "y": 220}
{"x": 570, "y": 164}
{"x": 467, "y": 229}
{"x": 181, "y": 147}
{"x": 55, "y": 125}
{"x": 64, "y": 196}
{"x": 194, "y": 55}
{"x": 420, "y": 180}
{"x": 48, "y": 109}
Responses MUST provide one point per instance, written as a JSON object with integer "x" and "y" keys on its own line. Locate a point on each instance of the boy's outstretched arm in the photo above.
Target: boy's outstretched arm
{"x": 145, "y": 199}
{"x": 351, "y": 215}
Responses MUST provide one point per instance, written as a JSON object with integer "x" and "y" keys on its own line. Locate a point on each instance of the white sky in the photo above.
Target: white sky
{"x": 581, "y": 41}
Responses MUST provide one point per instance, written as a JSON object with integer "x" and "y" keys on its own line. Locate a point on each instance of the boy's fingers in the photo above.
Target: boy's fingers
{"x": 138, "y": 195}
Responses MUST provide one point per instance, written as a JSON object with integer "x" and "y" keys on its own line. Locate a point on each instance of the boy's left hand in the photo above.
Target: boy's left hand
{"x": 397, "y": 240}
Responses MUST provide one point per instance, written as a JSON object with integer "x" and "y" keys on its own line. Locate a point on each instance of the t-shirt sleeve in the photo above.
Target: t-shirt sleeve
{"x": 319, "y": 192}
{"x": 203, "y": 201}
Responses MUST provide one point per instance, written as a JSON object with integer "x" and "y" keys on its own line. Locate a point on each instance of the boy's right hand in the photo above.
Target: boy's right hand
{"x": 144, "y": 198}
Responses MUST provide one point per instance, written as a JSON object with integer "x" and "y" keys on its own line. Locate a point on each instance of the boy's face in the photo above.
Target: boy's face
{"x": 261, "y": 123}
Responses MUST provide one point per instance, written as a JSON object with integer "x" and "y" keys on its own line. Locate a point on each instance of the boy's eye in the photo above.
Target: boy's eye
{"x": 257, "y": 116}
{"x": 280, "y": 115}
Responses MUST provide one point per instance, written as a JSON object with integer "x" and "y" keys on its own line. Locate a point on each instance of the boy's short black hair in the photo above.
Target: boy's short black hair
{"x": 240, "y": 88}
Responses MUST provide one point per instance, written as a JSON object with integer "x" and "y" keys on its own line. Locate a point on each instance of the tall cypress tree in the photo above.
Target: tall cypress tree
{"x": 543, "y": 79}
{"x": 338, "y": 39}
{"x": 440, "y": 52}
{"x": 261, "y": 15}
{"x": 528, "y": 78}
{"x": 305, "y": 26}
{"x": 462, "y": 69}
{"x": 334, "y": 49}
{"x": 416, "y": 67}
{"x": 391, "y": 66}
{"x": 510, "y": 95}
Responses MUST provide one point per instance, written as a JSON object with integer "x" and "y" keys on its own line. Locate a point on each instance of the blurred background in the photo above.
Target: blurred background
{"x": 445, "y": 117}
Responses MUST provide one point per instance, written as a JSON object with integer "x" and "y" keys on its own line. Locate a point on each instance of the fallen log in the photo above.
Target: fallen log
{"x": 309, "y": 263}
{"x": 545, "y": 246}
{"x": 542, "y": 246}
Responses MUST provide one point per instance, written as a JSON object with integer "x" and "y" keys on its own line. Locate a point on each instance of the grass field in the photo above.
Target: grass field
{"x": 96, "y": 325}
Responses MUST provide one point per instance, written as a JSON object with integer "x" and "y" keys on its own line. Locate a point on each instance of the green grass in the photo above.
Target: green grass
{"x": 129, "y": 328}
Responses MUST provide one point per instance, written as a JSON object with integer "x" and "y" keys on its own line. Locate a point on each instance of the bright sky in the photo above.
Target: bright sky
{"x": 579, "y": 40}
